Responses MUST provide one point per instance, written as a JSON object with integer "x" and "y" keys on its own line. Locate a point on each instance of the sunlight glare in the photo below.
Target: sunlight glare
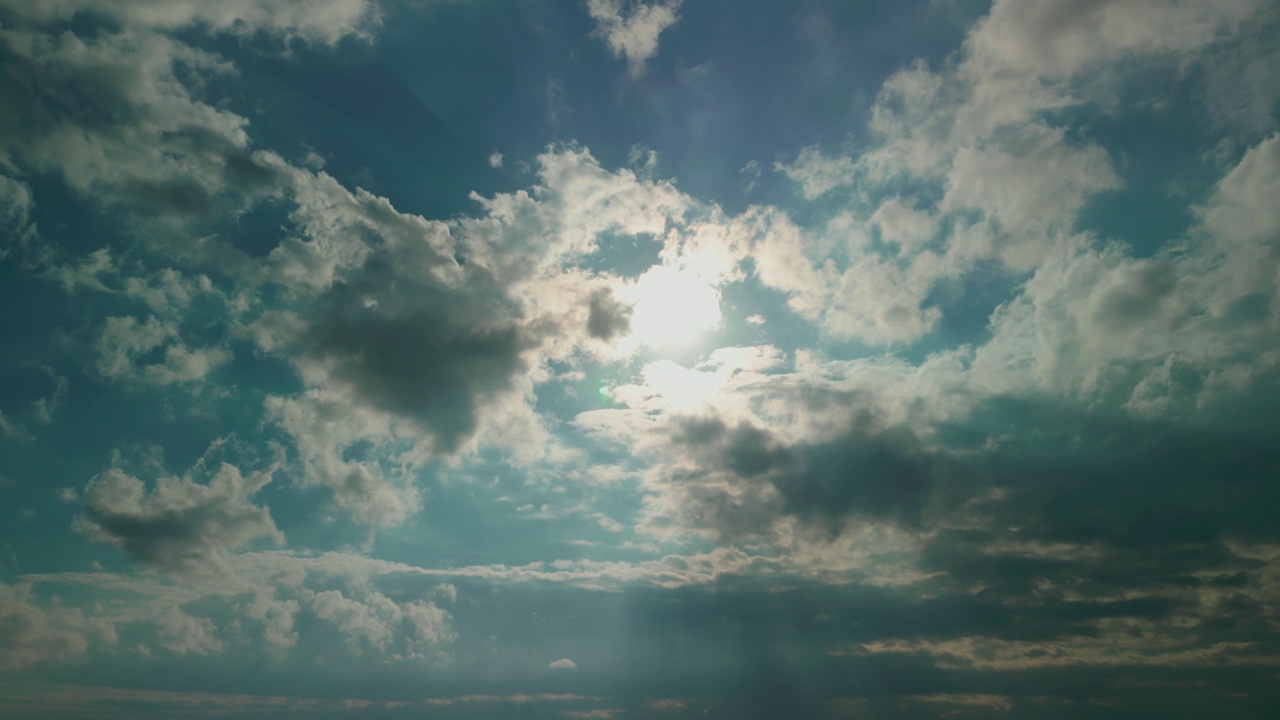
{"x": 672, "y": 308}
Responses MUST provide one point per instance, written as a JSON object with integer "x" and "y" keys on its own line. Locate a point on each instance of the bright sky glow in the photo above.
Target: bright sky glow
{"x": 672, "y": 308}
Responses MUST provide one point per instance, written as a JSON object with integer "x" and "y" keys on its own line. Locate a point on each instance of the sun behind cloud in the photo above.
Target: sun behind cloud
{"x": 673, "y": 307}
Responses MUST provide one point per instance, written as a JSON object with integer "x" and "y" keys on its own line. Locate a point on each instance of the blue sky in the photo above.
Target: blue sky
{"x": 639, "y": 359}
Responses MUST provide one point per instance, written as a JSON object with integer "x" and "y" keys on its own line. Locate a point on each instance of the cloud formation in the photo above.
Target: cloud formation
{"x": 979, "y": 399}
{"x": 631, "y": 29}
{"x": 179, "y": 524}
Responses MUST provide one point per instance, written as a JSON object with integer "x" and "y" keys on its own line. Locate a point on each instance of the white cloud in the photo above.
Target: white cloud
{"x": 574, "y": 202}
{"x": 904, "y": 225}
{"x": 749, "y": 458}
{"x": 865, "y": 296}
{"x": 818, "y": 174}
{"x": 256, "y": 599}
{"x": 1096, "y": 320}
{"x": 1242, "y": 211}
{"x": 1055, "y": 39}
{"x": 398, "y": 631}
{"x": 632, "y": 28}
{"x": 974, "y": 124}
{"x": 124, "y": 341}
{"x": 324, "y": 426}
{"x": 1031, "y": 183}
{"x": 495, "y": 159}
{"x": 562, "y": 664}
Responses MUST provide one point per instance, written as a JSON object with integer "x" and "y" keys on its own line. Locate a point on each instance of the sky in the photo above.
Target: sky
{"x": 639, "y": 359}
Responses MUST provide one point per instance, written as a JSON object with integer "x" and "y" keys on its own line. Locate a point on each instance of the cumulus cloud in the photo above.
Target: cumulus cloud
{"x": 1239, "y": 214}
{"x": 1089, "y": 464}
{"x": 179, "y": 524}
{"x": 124, "y": 341}
{"x": 1008, "y": 182}
{"x": 904, "y": 225}
{"x": 276, "y": 617}
{"x": 398, "y": 631}
{"x": 631, "y": 29}
{"x": 850, "y": 291}
{"x": 183, "y": 634}
{"x": 33, "y": 632}
{"x": 1097, "y": 320}
{"x": 423, "y": 338}
{"x": 144, "y": 138}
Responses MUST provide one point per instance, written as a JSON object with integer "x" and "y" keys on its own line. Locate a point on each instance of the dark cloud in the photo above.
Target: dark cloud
{"x": 1126, "y": 482}
{"x": 419, "y": 367}
{"x": 607, "y": 318}
{"x": 869, "y": 471}
{"x": 1036, "y": 522}
{"x": 415, "y": 348}
{"x": 1059, "y": 474}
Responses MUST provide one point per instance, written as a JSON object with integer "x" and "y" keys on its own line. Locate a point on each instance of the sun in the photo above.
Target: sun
{"x": 671, "y": 308}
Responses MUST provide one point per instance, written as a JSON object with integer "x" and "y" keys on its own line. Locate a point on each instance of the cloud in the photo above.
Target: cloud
{"x": 1007, "y": 181}
{"x": 324, "y": 22}
{"x": 32, "y": 632}
{"x": 144, "y": 138}
{"x": 818, "y": 174}
{"x": 327, "y": 429}
{"x": 401, "y": 327}
{"x": 607, "y": 317}
{"x": 414, "y": 363}
{"x": 15, "y": 215}
{"x": 1055, "y": 39}
{"x": 850, "y": 291}
{"x": 562, "y": 664}
{"x": 1097, "y": 319}
{"x": 632, "y": 29}
{"x": 999, "y": 655}
{"x": 1239, "y": 214}
{"x": 1080, "y": 481}
{"x": 398, "y": 631}
{"x": 276, "y": 617}
{"x": 180, "y": 525}
{"x": 902, "y": 224}
{"x": 13, "y": 430}
{"x": 183, "y": 634}
{"x": 124, "y": 341}
{"x": 272, "y": 603}
{"x": 575, "y": 201}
